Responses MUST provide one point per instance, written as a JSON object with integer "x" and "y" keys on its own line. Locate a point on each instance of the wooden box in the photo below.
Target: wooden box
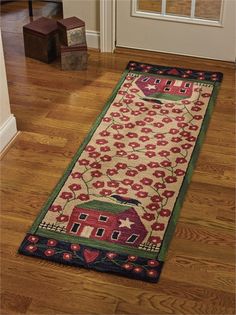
{"x": 71, "y": 31}
{"x": 74, "y": 58}
{"x": 41, "y": 39}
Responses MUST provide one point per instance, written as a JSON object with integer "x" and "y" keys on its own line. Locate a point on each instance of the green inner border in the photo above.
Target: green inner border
{"x": 179, "y": 201}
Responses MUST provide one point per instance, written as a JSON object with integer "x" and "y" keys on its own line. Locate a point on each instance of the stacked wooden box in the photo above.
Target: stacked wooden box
{"x": 74, "y": 55}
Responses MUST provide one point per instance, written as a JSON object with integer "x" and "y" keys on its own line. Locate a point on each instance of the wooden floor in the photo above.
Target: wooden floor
{"x": 54, "y": 111}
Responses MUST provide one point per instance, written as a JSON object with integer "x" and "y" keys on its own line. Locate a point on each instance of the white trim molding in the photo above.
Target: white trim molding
{"x": 7, "y": 131}
{"x": 107, "y": 25}
{"x": 93, "y": 39}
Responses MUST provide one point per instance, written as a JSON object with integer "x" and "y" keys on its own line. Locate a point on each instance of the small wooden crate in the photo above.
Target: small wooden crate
{"x": 72, "y": 31}
{"x": 41, "y": 39}
{"x": 74, "y": 57}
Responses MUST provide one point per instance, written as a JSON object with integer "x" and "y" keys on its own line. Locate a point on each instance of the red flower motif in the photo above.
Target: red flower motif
{"x": 121, "y": 191}
{"x": 104, "y": 133}
{"x": 94, "y": 154}
{"x": 124, "y": 110}
{"x": 117, "y": 127}
{"x": 195, "y": 108}
{"x": 121, "y": 153}
{"x": 98, "y": 184}
{"x": 146, "y": 130}
{"x": 159, "y": 174}
{"x": 177, "y": 110}
{"x": 111, "y": 255}
{"x": 143, "y": 109}
{"x": 197, "y": 117}
{"x": 112, "y": 171}
{"x": 119, "y": 145}
{"x": 151, "y": 113}
{"x": 162, "y": 142}
{"x": 164, "y": 153}
{"x": 122, "y": 92}
{"x": 89, "y": 148}
{"x": 159, "y": 136}
{"x": 165, "y": 213}
{"x": 118, "y": 136}
{"x": 83, "y": 197}
{"x": 96, "y": 174}
{"x": 136, "y": 187}
{"x": 158, "y": 124}
{"x": 117, "y": 104}
{"x": 66, "y": 195}
{"x": 130, "y": 96}
{"x": 169, "y": 105}
{"x": 158, "y": 226}
{"x": 134, "y": 144}
{"x": 150, "y": 154}
{"x": 141, "y": 194}
{"x": 33, "y": 239}
{"x": 101, "y": 141}
{"x": 95, "y": 165}
{"x": 156, "y": 198}
{"x": 55, "y": 208}
{"x": 164, "y": 111}
{"x": 132, "y": 258}
{"x": 154, "y": 239}
{"x": 179, "y": 172}
{"x": 112, "y": 183}
{"x": 167, "y": 120}
{"x": 131, "y": 173}
{"x": 74, "y": 187}
{"x": 62, "y": 218}
{"x": 171, "y": 179}
{"x": 51, "y": 242}
{"x": 121, "y": 166}
{"x": 159, "y": 186}
{"x": 83, "y": 162}
{"x": 67, "y": 256}
{"x": 148, "y": 119}
{"x": 127, "y": 85}
{"x": 175, "y": 150}
{"x": 139, "y": 104}
{"x": 76, "y": 175}
{"x": 199, "y": 103}
{"x": 193, "y": 127}
{"x": 206, "y": 95}
{"x": 115, "y": 114}
{"x": 168, "y": 193}
{"x": 124, "y": 118}
{"x": 31, "y": 248}
{"x": 106, "y": 158}
{"x": 132, "y": 135}
{"x": 132, "y": 156}
{"x": 176, "y": 139}
{"x": 134, "y": 90}
{"x": 153, "y": 263}
{"x": 185, "y": 102}
{"x": 49, "y": 252}
{"x": 127, "y": 266}
{"x": 186, "y": 146}
{"x": 165, "y": 163}
{"x": 173, "y": 131}
{"x": 148, "y": 216}
{"x": 75, "y": 247}
{"x": 140, "y": 123}
{"x": 152, "y": 273}
{"x": 141, "y": 167}
{"x": 179, "y": 118}
{"x": 180, "y": 160}
{"x": 153, "y": 206}
{"x": 182, "y": 124}
{"x": 146, "y": 181}
{"x": 150, "y": 147}
{"x": 105, "y": 149}
{"x": 153, "y": 164}
{"x": 127, "y": 181}
{"x": 137, "y": 269}
{"x": 135, "y": 112}
{"x": 105, "y": 192}
{"x": 144, "y": 138}
{"x": 191, "y": 139}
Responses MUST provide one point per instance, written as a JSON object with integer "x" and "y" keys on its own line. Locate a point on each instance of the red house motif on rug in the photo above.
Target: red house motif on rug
{"x": 107, "y": 222}
{"x": 166, "y": 88}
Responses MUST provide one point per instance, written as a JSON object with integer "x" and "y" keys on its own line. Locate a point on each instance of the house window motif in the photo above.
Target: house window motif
{"x": 145, "y": 79}
{"x": 75, "y": 227}
{"x": 100, "y": 232}
{"x": 187, "y": 85}
{"x": 157, "y": 81}
{"x": 166, "y": 89}
{"x": 83, "y": 216}
{"x": 103, "y": 218}
{"x": 168, "y": 82}
{"x": 182, "y": 90}
{"x": 115, "y": 235}
{"x": 132, "y": 238}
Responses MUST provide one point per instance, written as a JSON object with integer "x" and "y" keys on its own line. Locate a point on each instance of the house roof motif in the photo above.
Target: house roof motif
{"x": 103, "y": 206}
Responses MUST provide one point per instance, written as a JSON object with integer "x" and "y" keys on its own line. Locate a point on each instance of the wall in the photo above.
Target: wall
{"x": 7, "y": 120}
{"x": 88, "y": 11}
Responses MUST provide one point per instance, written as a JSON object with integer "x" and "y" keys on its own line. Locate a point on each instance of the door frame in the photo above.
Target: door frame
{"x": 107, "y": 25}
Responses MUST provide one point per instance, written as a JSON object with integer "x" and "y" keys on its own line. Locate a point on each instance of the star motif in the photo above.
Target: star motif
{"x": 150, "y": 87}
{"x": 125, "y": 223}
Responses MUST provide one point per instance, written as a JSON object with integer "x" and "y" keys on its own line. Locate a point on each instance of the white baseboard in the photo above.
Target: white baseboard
{"x": 93, "y": 39}
{"x": 7, "y": 132}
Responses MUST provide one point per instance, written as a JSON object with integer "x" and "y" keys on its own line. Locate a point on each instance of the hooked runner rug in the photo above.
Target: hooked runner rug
{"x": 116, "y": 206}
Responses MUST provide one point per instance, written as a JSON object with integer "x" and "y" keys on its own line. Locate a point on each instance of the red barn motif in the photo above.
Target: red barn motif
{"x": 166, "y": 88}
{"x": 107, "y": 222}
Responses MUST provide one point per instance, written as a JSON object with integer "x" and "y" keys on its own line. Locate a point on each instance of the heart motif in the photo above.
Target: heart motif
{"x": 90, "y": 255}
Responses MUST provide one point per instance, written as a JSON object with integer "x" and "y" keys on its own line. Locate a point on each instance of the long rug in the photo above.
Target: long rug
{"x": 116, "y": 206}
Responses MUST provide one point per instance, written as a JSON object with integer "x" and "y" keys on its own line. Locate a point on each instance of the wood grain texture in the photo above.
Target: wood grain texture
{"x": 54, "y": 111}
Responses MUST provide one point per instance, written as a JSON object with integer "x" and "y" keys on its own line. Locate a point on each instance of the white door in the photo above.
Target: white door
{"x": 202, "y": 28}
{"x": 87, "y": 231}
